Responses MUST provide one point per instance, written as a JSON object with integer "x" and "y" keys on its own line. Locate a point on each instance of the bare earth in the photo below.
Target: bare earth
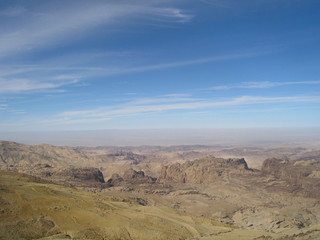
{"x": 150, "y": 192}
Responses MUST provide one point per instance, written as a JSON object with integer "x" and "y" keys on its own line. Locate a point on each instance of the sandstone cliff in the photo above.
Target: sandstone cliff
{"x": 304, "y": 174}
{"x": 130, "y": 177}
{"x": 81, "y": 174}
{"x": 204, "y": 170}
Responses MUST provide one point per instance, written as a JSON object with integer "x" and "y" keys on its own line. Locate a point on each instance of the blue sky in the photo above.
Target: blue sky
{"x": 84, "y": 65}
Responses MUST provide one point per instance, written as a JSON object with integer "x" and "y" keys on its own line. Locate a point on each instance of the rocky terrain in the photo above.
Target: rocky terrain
{"x": 34, "y": 209}
{"x": 205, "y": 170}
{"x": 280, "y": 201}
{"x": 304, "y": 174}
{"x": 229, "y": 191}
{"x": 15, "y": 155}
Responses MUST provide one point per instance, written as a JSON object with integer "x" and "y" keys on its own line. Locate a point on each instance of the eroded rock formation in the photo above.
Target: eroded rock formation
{"x": 302, "y": 173}
{"x": 82, "y": 174}
{"x": 204, "y": 170}
{"x": 130, "y": 176}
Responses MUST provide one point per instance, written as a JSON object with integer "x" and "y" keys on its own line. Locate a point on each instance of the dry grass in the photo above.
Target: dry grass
{"x": 33, "y": 210}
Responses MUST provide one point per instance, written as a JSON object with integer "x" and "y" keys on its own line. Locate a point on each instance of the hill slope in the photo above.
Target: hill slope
{"x": 33, "y": 209}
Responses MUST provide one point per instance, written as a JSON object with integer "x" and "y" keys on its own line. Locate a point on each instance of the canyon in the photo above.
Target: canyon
{"x": 175, "y": 192}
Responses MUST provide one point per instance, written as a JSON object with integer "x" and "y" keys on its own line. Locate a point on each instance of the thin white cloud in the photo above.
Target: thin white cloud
{"x": 3, "y": 106}
{"x": 170, "y": 15}
{"x": 16, "y": 111}
{"x": 190, "y": 62}
{"x": 132, "y": 108}
{"x": 78, "y": 113}
{"x": 263, "y": 84}
{"x": 43, "y": 77}
{"x": 84, "y": 71}
{"x": 6, "y": 108}
{"x": 66, "y": 77}
{"x": 18, "y": 85}
{"x": 166, "y": 99}
{"x": 177, "y": 95}
{"x": 52, "y": 26}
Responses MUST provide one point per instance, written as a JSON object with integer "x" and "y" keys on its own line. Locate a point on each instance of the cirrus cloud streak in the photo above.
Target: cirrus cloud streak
{"x": 131, "y": 108}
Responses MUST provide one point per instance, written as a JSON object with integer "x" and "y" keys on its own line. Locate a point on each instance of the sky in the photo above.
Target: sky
{"x": 90, "y": 65}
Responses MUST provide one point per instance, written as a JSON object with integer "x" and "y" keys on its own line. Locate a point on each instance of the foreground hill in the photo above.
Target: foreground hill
{"x": 33, "y": 209}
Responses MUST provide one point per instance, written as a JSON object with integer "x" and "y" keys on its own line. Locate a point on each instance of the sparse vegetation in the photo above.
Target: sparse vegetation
{"x": 142, "y": 197}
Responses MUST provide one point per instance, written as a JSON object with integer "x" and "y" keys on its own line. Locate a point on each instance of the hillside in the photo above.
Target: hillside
{"x": 156, "y": 192}
{"x": 33, "y": 209}
{"x": 16, "y": 155}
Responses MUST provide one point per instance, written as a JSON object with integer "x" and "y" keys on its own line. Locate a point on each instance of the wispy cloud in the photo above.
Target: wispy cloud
{"x": 66, "y": 77}
{"x": 141, "y": 107}
{"x": 6, "y": 108}
{"x": 37, "y": 29}
{"x": 24, "y": 85}
{"x": 42, "y": 77}
{"x": 190, "y": 62}
{"x": 114, "y": 70}
{"x": 170, "y": 15}
{"x": 263, "y": 84}
{"x": 159, "y": 100}
{"x": 3, "y": 106}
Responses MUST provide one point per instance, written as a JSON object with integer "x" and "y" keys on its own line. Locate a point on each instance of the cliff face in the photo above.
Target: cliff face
{"x": 81, "y": 174}
{"x": 302, "y": 173}
{"x": 72, "y": 176}
{"x": 137, "y": 177}
{"x": 283, "y": 169}
{"x": 130, "y": 177}
{"x": 204, "y": 170}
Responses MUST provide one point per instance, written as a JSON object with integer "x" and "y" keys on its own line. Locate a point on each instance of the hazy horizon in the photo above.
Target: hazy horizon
{"x": 165, "y": 137}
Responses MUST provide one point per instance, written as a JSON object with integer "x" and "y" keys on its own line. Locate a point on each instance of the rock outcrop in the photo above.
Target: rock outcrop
{"x": 204, "y": 170}
{"x": 130, "y": 176}
{"x": 138, "y": 177}
{"x": 81, "y": 174}
{"x": 115, "y": 180}
{"x": 71, "y": 176}
{"x": 302, "y": 173}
